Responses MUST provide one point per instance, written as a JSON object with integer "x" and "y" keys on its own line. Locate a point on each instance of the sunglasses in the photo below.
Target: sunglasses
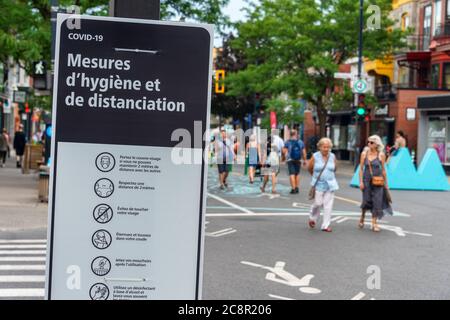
{"x": 370, "y": 142}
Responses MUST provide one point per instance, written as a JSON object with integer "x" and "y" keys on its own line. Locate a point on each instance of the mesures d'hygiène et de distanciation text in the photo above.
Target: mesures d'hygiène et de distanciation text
{"x": 99, "y": 86}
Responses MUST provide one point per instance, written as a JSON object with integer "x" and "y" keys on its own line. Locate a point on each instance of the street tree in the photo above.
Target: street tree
{"x": 25, "y": 29}
{"x": 295, "y": 47}
{"x": 231, "y": 61}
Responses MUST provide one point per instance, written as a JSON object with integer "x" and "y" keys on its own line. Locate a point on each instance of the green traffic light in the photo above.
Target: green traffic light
{"x": 361, "y": 111}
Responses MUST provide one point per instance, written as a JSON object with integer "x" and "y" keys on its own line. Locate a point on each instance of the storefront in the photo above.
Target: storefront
{"x": 434, "y": 126}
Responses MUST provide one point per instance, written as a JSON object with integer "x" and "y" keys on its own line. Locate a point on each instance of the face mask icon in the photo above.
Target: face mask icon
{"x": 105, "y": 162}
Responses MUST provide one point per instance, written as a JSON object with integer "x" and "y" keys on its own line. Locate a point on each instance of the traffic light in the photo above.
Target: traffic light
{"x": 27, "y": 108}
{"x": 362, "y": 112}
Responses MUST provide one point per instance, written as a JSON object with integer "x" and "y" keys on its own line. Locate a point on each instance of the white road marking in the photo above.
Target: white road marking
{"x": 279, "y": 275}
{"x": 335, "y": 218}
{"x": 16, "y": 293}
{"x": 22, "y": 267}
{"x": 22, "y": 279}
{"x": 286, "y": 214}
{"x": 22, "y": 259}
{"x": 301, "y": 205}
{"x": 342, "y": 220}
{"x": 22, "y": 246}
{"x": 359, "y": 296}
{"x": 220, "y": 233}
{"x": 23, "y": 241}
{"x": 348, "y": 200}
{"x": 23, "y": 252}
{"x": 229, "y": 203}
{"x": 279, "y": 297}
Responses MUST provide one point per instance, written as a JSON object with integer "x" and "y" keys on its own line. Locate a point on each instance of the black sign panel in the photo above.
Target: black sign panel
{"x": 103, "y": 57}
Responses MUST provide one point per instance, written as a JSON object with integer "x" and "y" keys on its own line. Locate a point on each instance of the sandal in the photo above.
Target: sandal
{"x": 361, "y": 225}
{"x": 312, "y": 224}
{"x": 376, "y": 228}
{"x": 327, "y": 229}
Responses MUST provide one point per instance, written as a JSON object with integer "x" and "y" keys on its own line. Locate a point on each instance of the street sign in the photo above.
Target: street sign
{"x": 342, "y": 75}
{"x": 127, "y": 200}
{"x": 360, "y": 86}
{"x": 20, "y": 96}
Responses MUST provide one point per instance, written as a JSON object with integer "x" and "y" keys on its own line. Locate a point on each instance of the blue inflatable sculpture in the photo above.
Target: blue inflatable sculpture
{"x": 402, "y": 174}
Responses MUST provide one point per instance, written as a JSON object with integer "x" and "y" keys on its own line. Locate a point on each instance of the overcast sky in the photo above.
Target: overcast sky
{"x": 232, "y": 11}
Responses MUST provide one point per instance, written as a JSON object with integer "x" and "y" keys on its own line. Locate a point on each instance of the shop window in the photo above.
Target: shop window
{"x": 435, "y": 76}
{"x": 437, "y": 136}
{"x": 447, "y": 75}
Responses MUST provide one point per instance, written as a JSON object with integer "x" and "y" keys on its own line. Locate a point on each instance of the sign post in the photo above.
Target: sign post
{"x": 127, "y": 190}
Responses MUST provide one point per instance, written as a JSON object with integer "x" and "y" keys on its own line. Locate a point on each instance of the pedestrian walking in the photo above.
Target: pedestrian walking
{"x": 3, "y": 147}
{"x": 271, "y": 168}
{"x": 19, "y": 145}
{"x": 225, "y": 157}
{"x": 8, "y": 142}
{"x": 373, "y": 183}
{"x": 278, "y": 142}
{"x": 295, "y": 153}
{"x": 322, "y": 167}
{"x": 253, "y": 151}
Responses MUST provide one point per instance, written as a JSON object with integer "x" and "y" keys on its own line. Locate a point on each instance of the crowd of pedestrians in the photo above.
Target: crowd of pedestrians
{"x": 265, "y": 159}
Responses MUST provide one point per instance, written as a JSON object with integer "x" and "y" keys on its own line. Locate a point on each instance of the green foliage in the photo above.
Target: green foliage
{"x": 295, "y": 47}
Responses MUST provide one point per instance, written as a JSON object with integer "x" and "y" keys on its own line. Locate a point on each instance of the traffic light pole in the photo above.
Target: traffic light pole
{"x": 360, "y": 55}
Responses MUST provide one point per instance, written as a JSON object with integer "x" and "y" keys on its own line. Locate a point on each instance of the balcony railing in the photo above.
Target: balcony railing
{"x": 442, "y": 30}
{"x": 385, "y": 92}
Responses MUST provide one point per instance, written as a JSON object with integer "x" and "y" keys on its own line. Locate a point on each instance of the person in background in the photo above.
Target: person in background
{"x": 37, "y": 137}
{"x": 278, "y": 142}
{"x": 295, "y": 153}
{"x": 322, "y": 167}
{"x": 254, "y": 157}
{"x": 271, "y": 168}
{"x": 225, "y": 156}
{"x": 3, "y": 148}
{"x": 8, "y": 140}
{"x": 19, "y": 145}
{"x": 372, "y": 164}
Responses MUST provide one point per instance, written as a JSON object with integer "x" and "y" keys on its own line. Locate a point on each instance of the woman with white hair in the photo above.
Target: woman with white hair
{"x": 373, "y": 182}
{"x": 322, "y": 167}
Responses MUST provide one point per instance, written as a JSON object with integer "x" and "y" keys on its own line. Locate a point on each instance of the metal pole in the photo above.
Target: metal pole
{"x": 361, "y": 27}
{"x": 360, "y": 55}
{"x": 139, "y": 9}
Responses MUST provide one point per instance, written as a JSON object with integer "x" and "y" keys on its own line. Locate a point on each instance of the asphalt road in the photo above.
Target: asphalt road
{"x": 259, "y": 246}
{"x": 272, "y": 254}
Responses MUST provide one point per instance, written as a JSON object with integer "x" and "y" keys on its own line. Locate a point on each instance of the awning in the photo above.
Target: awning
{"x": 381, "y": 68}
{"x": 436, "y": 102}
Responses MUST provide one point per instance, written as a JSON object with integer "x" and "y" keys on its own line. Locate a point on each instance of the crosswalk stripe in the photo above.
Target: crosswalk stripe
{"x": 24, "y": 241}
{"x": 25, "y": 252}
{"x": 16, "y": 293}
{"x": 22, "y": 246}
{"x": 21, "y": 267}
{"x": 21, "y": 259}
{"x": 22, "y": 279}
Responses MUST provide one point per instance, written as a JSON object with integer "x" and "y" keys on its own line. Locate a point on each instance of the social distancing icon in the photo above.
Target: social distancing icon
{"x": 104, "y": 188}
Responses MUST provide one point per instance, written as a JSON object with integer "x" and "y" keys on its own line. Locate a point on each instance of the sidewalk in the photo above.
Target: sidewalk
{"x": 19, "y": 205}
